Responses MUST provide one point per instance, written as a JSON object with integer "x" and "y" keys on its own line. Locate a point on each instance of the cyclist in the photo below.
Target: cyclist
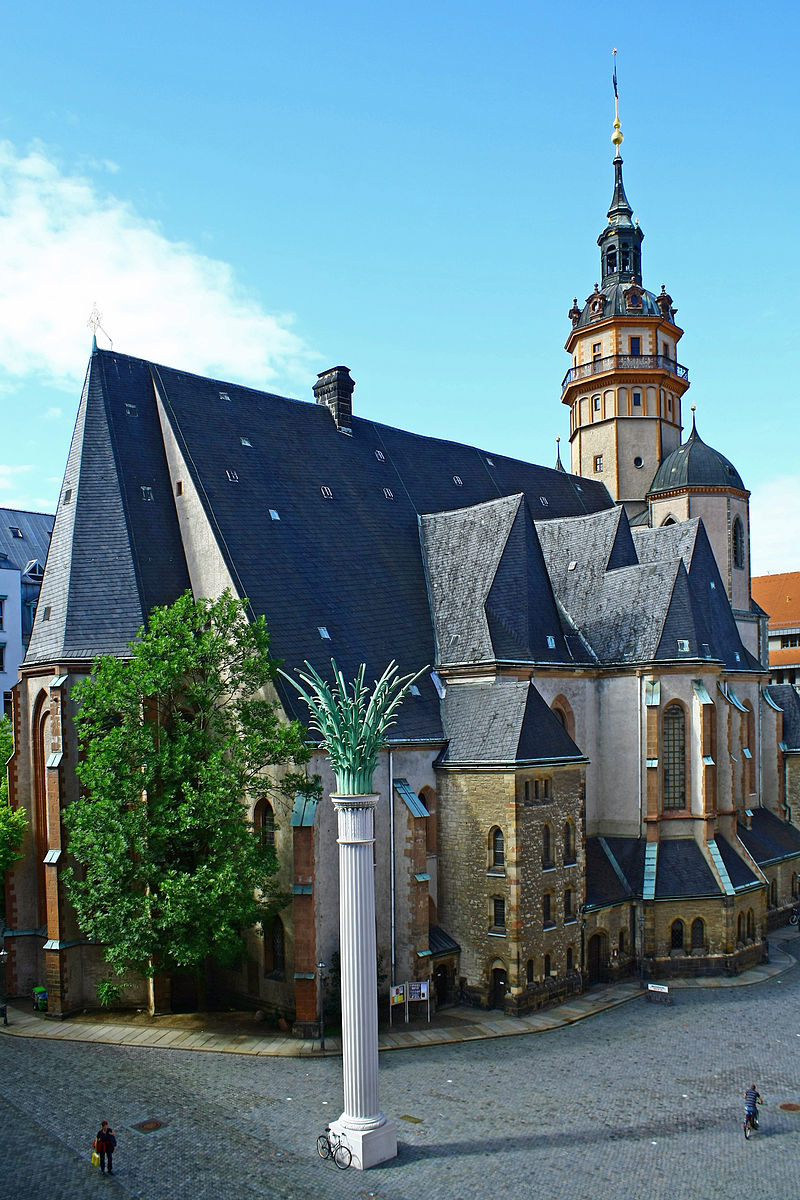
{"x": 751, "y": 1100}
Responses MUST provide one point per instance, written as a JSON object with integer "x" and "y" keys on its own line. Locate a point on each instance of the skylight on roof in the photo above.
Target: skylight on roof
{"x": 458, "y": 481}
{"x": 131, "y": 410}
{"x": 323, "y": 633}
{"x": 683, "y": 646}
{"x": 327, "y": 493}
{"x": 544, "y": 501}
{"x": 246, "y": 441}
{"x": 381, "y": 457}
{"x": 147, "y": 493}
{"x": 388, "y": 493}
{"x": 438, "y": 684}
{"x": 489, "y": 462}
{"x": 274, "y": 515}
{"x": 233, "y": 476}
{"x": 15, "y": 531}
{"x": 572, "y": 565}
{"x": 224, "y": 396}
{"x": 67, "y": 495}
{"x": 712, "y": 585}
{"x": 551, "y": 642}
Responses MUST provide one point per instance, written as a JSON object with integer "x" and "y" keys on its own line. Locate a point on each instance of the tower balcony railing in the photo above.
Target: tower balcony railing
{"x": 625, "y": 362}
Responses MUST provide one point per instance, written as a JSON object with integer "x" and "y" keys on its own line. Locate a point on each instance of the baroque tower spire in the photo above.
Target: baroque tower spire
{"x": 625, "y": 384}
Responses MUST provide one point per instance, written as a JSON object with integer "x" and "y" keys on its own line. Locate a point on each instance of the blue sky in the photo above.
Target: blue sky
{"x": 415, "y": 191}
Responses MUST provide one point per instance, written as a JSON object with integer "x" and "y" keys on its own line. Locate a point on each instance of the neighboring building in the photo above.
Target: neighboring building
{"x": 779, "y": 596}
{"x": 591, "y": 778}
{"x": 24, "y": 542}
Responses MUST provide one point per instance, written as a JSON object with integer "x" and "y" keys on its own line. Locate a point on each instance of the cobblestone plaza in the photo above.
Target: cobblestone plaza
{"x": 638, "y": 1101}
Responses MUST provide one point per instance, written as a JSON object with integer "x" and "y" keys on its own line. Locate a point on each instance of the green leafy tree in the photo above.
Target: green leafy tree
{"x": 173, "y": 739}
{"x": 13, "y": 822}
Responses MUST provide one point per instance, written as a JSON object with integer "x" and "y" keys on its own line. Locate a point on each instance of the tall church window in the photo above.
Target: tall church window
{"x": 611, "y": 260}
{"x": 698, "y": 934}
{"x": 264, "y": 823}
{"x": 569, "y": 843}
{"x": 498, "y": 850}
{"x": 547, "y": 848}
{"x": 676, "y": 935}
{"x": 674, "y": 757}
{"x": 274, "y": 949}
{"x": 738, "y": 543}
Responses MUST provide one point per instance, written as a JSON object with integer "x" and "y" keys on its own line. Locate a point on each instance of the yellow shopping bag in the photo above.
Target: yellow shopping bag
{"x": 95, "y": 1159}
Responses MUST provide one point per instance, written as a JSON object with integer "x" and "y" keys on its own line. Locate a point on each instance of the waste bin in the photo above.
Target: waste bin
{"x": 40, "y": 999}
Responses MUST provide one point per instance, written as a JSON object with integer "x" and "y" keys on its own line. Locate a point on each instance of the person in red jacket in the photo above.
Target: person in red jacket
{"x": 104, "y": 1144}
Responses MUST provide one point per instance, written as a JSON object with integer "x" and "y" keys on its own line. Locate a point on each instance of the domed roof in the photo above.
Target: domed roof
{"x": 694, "y": 464}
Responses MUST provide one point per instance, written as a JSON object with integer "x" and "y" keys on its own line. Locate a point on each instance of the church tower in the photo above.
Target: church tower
{"x": 625, "y": 385}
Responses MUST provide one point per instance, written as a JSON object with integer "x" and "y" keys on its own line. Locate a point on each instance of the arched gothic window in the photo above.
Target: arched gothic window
{"x": 674, "y": 757}
{"x": 740, "y": 935}
{"x": 751, "y": 926}
{"x": 498, "y": 849}
{"x": 274, "y": 949}
{"x": 676, "y": 933}
{"x": 547, "y": 848}
{"x": 264, "y": 823}
{"x": 698, "y": 934}
{"x": 569, "y": 842}
{"x": 738, "y": 542}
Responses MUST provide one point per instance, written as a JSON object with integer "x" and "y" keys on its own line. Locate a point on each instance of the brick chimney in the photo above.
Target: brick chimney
{"x": 334, "y": 388}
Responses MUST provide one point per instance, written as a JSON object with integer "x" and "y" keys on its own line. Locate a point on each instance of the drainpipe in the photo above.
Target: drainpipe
{"x": 391, "y": 862}
{"x": 639, "y": 761}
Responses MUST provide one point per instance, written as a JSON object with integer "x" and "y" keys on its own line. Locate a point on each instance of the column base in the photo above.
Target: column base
{"x": 369, "y": 1146}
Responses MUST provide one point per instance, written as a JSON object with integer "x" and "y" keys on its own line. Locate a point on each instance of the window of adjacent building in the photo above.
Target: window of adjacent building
{"x": 547, "y": 910}
{"x": 3, "y": 612}
{"x": 674, "y": 757}
{"x": 636, "y": 345}
{"x": 597, "y": 350}
{"x": 790, "y": 641}
{"x": 676, "y": 935}
{"x": 568, "y": 910}
{"x": 738, "y": 542}
{"x": 598, "y": 462}
{"x": 497, "y": 850}
{"x": 498, "y": 912}
{"x": 596, "y": 403}
{"x": 569, "y": 842}
{"x": 698, "y": 934}
{"x": 547, "y": 966}
{"x": 274, "y": 949}
{"x": 547, "y": 847}
{"x": 2, "y": 656}
{"x": 795, "y": 885}
{"x": 637, "y": 399}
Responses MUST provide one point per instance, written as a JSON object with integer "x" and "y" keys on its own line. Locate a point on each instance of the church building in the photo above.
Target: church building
{"x": 587, "y": 780}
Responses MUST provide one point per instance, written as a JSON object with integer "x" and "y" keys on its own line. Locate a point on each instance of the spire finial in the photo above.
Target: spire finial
{"x": 95, "y": 317}
{"x": 616, "y": 136}
{"x": 694, "y": 423}
{"x": 559, "y": 464}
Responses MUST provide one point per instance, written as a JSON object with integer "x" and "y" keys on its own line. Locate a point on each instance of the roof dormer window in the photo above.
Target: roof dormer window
{"x": 15, "y": 531}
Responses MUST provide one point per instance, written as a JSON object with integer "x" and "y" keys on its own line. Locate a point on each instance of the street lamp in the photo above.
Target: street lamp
{"x": 3, "y": 998}
{"x": 321, "y": 966}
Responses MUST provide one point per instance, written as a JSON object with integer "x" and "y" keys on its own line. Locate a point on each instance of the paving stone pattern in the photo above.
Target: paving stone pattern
{"x": 640, "y": 1101}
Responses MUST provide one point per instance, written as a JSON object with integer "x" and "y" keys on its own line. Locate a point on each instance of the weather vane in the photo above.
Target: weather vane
{"x": 616, "y": 136}
{"x": 95, "y": 317}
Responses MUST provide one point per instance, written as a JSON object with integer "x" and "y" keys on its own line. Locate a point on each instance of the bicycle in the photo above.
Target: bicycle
{"x": 331, "y": 1145}
{"x": 750, "y": 1121}
{"x": 794, "y": 916}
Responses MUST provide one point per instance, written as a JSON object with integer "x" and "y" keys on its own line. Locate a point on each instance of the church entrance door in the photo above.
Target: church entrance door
{"x": 497, "y": 998}
{"x": 597, "y": 957}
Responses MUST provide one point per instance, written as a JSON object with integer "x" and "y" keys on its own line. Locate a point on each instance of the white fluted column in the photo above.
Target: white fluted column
{"x": 369, "y": 1135}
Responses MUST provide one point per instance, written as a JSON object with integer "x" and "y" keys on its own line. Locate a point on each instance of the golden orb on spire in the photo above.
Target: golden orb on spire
{"x": 617, "y": 135}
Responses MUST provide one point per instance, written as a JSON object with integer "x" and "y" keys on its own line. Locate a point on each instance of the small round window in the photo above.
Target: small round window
{"x": 638, "y": 462}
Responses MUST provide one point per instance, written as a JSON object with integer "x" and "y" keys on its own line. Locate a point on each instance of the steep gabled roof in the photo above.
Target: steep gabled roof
{"x": 502, "y": 723}
{"x": 116, "y": 549}
{"x": 343, "y": 554}
{"x": 779, "y": 596}
{"x": 769, "y": 839}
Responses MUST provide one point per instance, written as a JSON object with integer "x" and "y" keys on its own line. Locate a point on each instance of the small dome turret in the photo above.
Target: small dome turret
{"x": 695, "y": 465}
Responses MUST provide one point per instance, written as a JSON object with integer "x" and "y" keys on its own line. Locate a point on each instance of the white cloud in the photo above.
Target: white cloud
{"x": 775, "y": 525}
{"x": 53, "y": 414}
{"x": 64, "y": 246}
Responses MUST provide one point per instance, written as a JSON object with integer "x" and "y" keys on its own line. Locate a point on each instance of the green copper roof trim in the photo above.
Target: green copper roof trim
{"x": 650, "y": 863}
{"x": 415, "y": 806}
{"x": 700, "y": 691}
{"x": 722, "y": 870}
{"x": 302, "y": 889}
{"x": 304, "y": 811}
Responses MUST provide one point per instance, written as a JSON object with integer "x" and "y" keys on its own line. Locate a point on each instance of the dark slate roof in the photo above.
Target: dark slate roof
{"x": 694, "y": 464}
{"x": 787, "y": 698}
{"x": 629, "y": 856}
{"x": 769, "y": 839}
{"x": 603, "y": 883}
{"x": 34, "y": 544}
{"x": 114, "y": 554}
{"x": 739, "y": 873}
{"x": 489, "y": 589}
{"x": 502, "y": 723}
{"x": 351, "y": 563}
{"x": 682, "y": 871}
{"x": 440, "y": 942}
